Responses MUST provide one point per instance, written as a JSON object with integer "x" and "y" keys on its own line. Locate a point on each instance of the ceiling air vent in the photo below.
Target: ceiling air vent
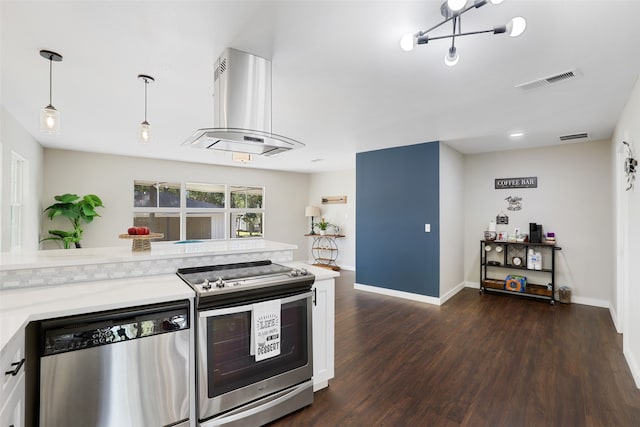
{"x": 546, "y": 81}
{"x": 574, "y": 136}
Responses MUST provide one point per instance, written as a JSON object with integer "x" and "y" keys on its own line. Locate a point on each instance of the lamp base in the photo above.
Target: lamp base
{"x": 312, "y": 232}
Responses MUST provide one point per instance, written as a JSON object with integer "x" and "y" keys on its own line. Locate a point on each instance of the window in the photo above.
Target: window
{"x": 246, "y": 222}
{"x": 18, "y": 174}
{"x": 197, "y": 211}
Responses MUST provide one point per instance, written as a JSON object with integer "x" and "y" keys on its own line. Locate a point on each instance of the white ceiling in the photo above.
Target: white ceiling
{"x": 341, "y": 84}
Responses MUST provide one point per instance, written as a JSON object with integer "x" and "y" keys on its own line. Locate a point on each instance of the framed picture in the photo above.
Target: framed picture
{"x": 502, "y": 236}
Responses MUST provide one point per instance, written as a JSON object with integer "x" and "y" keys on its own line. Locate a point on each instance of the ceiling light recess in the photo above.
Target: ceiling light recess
{"x": 452, "y": 10}
{"x": 49, "y": 116}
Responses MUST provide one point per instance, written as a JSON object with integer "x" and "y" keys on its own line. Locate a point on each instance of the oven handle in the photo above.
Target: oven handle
{"x": 249, "y": 307}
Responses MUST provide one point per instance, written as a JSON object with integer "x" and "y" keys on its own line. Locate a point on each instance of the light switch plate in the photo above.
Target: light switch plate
{"x": 427, "y": 228}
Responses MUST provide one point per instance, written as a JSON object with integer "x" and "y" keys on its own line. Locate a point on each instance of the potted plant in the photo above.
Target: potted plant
{"x": 322, "y": 225}
{"x": 78, "y": 211}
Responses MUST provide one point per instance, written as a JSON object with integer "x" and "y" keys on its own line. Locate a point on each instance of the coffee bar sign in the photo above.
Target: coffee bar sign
{"x": 523, "y": 182}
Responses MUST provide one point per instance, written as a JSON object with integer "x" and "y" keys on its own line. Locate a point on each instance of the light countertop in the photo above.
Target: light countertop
{"x": 20, "y": 306}
{"x": 159, "y": 250}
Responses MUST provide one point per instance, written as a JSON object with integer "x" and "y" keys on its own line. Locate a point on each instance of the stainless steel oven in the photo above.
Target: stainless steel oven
{"x": 235, "y": 387}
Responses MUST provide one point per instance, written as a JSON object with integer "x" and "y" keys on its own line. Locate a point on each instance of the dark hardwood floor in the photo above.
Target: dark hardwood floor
{"x": 478, "y": 360}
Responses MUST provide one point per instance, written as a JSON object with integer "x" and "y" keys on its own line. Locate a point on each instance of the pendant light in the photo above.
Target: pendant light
{"x": 145, "y": 127}
{"x": 49, "y": 116}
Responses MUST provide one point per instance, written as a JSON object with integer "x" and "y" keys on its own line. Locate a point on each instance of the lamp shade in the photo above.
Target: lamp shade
{"x": 312, "y": 211}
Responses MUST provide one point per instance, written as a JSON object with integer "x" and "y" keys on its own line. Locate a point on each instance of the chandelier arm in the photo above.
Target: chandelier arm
{"x": 453, "y": 36}
{"x": 475, "y": 5}
{"x": 422, "y": 33}
{"x": 460, "y": 34}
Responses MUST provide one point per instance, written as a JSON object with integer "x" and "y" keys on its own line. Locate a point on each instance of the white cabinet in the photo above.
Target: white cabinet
{"x": 12, "y": 391}
{"x": 323, "y": 332}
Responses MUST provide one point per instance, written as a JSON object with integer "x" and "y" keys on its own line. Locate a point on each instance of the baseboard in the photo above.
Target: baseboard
{"x": 614, "y": 318}
{"x": 590, "y": 301}
{"x": 574, "y": 299}
{"x": 398, "y": 294}
{"x": 633, "y": 367}
{"x": 444, "y": 298}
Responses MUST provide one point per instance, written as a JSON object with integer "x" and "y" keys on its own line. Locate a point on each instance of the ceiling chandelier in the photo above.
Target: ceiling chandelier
{"x": 452, "y": 10}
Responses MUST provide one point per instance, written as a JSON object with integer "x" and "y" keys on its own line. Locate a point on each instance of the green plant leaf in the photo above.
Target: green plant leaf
{"x": 61, "y": 233}
{"x": 67, "y": 198}
{"x": 93, "y": 200}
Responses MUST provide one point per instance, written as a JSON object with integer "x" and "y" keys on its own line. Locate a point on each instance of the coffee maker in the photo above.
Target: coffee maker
{"x": 535, "y": 232}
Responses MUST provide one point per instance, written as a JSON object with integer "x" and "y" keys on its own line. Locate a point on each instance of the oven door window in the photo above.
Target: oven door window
{"x": 229, "y": 362}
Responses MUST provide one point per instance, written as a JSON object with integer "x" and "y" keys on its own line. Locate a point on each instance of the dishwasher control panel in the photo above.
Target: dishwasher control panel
{"x": 72, "y": 334}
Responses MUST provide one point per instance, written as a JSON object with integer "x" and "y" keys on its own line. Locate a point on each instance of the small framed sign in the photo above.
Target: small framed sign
{"x": 522, "y": 182}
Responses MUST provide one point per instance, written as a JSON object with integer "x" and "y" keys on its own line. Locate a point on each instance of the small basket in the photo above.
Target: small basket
{"x": 564, "y": 295}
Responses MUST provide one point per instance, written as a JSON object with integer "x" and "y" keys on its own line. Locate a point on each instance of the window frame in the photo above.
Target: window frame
{"x": 183, "y": 211}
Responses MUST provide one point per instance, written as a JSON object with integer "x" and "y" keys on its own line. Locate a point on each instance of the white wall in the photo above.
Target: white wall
{"x": 573, "y": 199}
{"x": 15, "y": 138}
{"x": 628, "y": 216}
{"x": 111, "y": 178}
{"x": 451, "y": 221}
{"x": 339, "y": 183}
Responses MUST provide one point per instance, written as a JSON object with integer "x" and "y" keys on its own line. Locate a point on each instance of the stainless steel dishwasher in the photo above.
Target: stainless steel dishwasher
{"x": 125, "y": 367}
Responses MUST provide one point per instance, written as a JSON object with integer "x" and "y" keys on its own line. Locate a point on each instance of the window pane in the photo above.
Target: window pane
{"x": 205, "y": 195}
{"x": 246, "y": 197}
{"x": 246, "y": 224}
{"x": 149, "y": 194}
{"x": 165, "y": 223}
{"x": 168, "y": 195}
{"x": 145, "y": 194}
{"x": 205, "y": 226}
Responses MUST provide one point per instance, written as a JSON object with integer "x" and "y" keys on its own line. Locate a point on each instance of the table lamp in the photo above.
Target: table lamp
{"x": 312, "y": 211}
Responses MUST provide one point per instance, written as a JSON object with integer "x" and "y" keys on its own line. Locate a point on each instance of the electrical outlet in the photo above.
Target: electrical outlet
{"x": 427, "y": 228}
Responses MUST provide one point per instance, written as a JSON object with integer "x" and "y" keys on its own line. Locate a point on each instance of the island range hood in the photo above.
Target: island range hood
{"x": 242, "y": 108}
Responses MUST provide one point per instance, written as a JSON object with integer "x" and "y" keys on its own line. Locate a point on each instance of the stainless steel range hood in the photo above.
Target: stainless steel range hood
{"x": 242, "y": 108}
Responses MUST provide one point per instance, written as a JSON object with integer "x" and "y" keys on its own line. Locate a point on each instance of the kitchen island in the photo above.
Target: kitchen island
{"x": 49, "y": 284}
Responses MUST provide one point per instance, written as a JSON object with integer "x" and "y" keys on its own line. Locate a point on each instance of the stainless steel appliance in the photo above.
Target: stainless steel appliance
{"x": 242, "y": 108}
{"x": 234, "y": 388}
{"x": 116, "y": 368}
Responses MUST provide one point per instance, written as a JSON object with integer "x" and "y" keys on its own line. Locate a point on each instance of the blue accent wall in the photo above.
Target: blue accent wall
{"x": 397, "y": 193}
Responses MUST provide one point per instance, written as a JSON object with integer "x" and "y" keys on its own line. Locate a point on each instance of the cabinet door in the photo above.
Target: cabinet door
{"x": 12, "y": 386}
{"x": 323, "y": 333}
{"x": 13, "y": 408}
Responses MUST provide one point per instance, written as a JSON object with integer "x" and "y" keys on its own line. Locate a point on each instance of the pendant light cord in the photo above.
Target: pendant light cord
{"x": 50, "y": 78}
{"x": 146, "y": 82}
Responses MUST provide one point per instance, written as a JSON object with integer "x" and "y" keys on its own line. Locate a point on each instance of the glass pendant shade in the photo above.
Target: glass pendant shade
{"x": 49, "y": 119}
{"x": 145, "y": 131}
